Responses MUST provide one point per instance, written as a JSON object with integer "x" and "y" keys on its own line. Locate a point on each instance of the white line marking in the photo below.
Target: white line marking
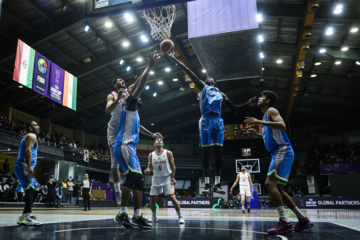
{"x": 345, "y": 226}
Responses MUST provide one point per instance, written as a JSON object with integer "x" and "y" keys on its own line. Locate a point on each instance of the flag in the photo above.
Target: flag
{"x": 24, "y": 64}
{"x": 56, "y": 83}
{"x": 70, "y": 90}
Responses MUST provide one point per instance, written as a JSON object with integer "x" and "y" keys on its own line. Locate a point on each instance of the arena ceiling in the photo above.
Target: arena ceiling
{"x": 58, "y": 33}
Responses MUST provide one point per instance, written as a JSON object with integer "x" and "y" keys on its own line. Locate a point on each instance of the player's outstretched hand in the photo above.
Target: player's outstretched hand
{"x": 252, "y": 101}
{"x": 251, "y": 120}
{"x": 153, "y": 57}
{"x": 252, "y": 132}
{"x": 252, "y": 191}
{"x": 158, "y": 135}
{"x": 173, "y": 181}
{"x": 30, "y": 171}
{"x": 231, "y": 191}
{"x": 147, "y": 171}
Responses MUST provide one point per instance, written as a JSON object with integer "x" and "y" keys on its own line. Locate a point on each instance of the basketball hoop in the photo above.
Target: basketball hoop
{"x": 160, "y": 20}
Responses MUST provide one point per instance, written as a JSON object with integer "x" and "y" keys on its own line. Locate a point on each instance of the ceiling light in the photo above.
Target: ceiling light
{"x": 154, "y": 94}
{"x": 147, "y": 87}
{"x": 152, "y": 73}
{"x": 121, "y": 62}
{"x": 323, "y": 50}
{"x": 182, "y": 88}
{"x": 87, "y": 60}
{"x": 144, "y": 38}
{"x": 108, "y": 24}
{"x": 192, "y": 85}
{"x": 344, "y": 49}
{"x": 139, "y": 59}
{"x": 64, "y": 8}
{"x": 313, "y": 75}
{"x": 261, "y": 79}
{"x": 354, "y": 30}
{"x": 160, "y": 82}
{"x": 86, "y": 28}
{"x": 175, "y": 79}
{"x": 128, "y": 17}
{"x": 128, "y": 68}
{"x": 263, "y": 69}
{"x": 338, "y": 9}
{"x": 204, "y": 71}
{"x": 329, "y": 31}
{"x": 357, "y": 62}
{"x": 261, "y": 55}
{"x": 315, "y": 6}
{"x": 317, "y": 63}
{"x": 279, "y": 61}
{"x": 152, "y": 124}
{"x": 98, "y": 39}
{"x": 21, "y": 86}
{"x": 126, "y": 44}
{"x": 337, "y": 62}
{"x": 259, "y": 17}
{"x": 167, "y": 69}
{"x": 260, "y": 38}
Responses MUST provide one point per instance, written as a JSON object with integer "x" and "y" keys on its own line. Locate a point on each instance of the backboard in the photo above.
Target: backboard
{"x": 100, "y": 8}
{"x": 252, "y": 165}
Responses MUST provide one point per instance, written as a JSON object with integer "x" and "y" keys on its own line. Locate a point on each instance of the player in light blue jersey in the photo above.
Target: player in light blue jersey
{"x": 282, "y": 157}
{"x": 125, "y": 150}
{"x": 211, "y": 125}
{"x": 24, "y": 171}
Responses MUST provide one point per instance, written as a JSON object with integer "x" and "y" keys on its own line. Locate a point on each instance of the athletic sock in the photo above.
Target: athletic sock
{"x": 117, "y": 186}
{"x": 123, "y": 210}
{"x": 179, "y": 213}
{"x": 243, "y": 207}
{"x": 217, "y": 180}
{"x": 207, "y": 180}
{"x": 282, "y": 214}
{"x": 248, "y": 205}
{"x": 137, "y": 213}
{"x": 154, "y": 213}
{"x": 298, "y": 213}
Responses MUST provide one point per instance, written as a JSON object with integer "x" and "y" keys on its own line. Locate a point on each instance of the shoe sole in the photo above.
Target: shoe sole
{"x": 122, "y": 226}
{"x": 287, "y": 231}
{"x": 219, "y": 192}
{"x": 306, "y": 227}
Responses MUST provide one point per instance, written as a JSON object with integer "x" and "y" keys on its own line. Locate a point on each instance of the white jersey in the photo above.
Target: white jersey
{"x": 114, "y": 123}
{"x": 244, "y": 180}
{"x": 161, "y": 168}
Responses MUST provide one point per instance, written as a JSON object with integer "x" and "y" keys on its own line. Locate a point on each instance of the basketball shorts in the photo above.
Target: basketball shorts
{"x": 168, "y": 190}
{"x": 211, "y": 131}
{"x": 111, "y": 137}
{"x": 127, "y": 158}
{"x": 23, "y": 176}
{"x": 282, "y": 159}
{"x": 245, "y": 190}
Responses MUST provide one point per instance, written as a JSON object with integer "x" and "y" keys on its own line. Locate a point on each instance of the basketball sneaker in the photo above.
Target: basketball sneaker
{"x": 207, "y": 189}
{"x": 31, "y": 221}
{"x": 118, "y": 198}
{"x": 181, "y": 220}
{"x": 243, "y": 211}
{"x": 303, "y": 224}
{"x": 123, "y": 220}
{"x": 218, "y": 189}
{"x": 140, "y": 222}
{"x": 281, "y": 227}
{"x": 153, "y": 219}
{"x": 20, "y": 220}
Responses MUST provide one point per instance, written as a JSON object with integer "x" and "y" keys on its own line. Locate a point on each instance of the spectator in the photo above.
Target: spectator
{"x": 1, "y": 191}
{"x": 44, "y": 193}
{"x": 64, "y": 191}
{"x": 70, "y": 189}
{"x": 6, "y": 166}
{"x": 51, "y": 192}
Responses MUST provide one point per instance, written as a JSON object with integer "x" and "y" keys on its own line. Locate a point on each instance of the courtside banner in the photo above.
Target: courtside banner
{"x": 24, "y": 64}
{"x": 41, "y": 74}
{"x": 57, "y": 75}
{"x": 70, "y": 91}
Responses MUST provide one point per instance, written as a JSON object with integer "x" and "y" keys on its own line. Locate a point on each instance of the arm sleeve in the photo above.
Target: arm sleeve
{"x": 234, "y": 107}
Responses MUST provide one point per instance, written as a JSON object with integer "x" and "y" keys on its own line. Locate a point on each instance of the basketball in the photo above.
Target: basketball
{"x": 166, "y": 46}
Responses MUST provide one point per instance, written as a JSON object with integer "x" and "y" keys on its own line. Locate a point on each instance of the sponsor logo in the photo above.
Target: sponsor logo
{"x": 311, "y": 203}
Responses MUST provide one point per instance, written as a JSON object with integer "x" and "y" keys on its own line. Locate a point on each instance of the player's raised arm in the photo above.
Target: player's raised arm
{"x": 146, "y": 132}
{"x": 275, "y": 120}
{"x": 198, "y": 82}
{"x": 141, "y": 81}
{"x": 234, "y": 107}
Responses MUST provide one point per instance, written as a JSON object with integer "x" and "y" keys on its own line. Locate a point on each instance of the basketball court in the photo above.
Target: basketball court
{"x": 200, "y": 224}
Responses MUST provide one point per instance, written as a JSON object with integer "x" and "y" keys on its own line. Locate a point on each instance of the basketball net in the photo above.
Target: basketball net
{"x": 161, "y": 20}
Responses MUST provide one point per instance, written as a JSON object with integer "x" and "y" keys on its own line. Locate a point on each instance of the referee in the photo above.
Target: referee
{"x": 86, "y": 191}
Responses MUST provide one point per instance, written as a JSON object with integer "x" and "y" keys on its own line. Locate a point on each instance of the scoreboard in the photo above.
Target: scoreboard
{"x": 238, "y": 131}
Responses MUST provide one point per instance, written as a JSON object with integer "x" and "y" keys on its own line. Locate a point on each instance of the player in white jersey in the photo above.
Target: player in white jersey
{"x": 161, "y": 162}
{"x": 244, "y": 180}
{"x": 116, "y": 101}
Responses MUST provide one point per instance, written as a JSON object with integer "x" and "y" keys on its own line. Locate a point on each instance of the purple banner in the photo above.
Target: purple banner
{"x": 340, "y": 168}
{"x": 41, "y": 74}
{"x": 56, "y": 83}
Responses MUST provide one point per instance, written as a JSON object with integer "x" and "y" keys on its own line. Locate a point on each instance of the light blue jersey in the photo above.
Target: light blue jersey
{"x": 210, "y": 100}
{"x": 273, "y": 139}
{"x": 129, "y": 128}
{"x": 21, "y": 155}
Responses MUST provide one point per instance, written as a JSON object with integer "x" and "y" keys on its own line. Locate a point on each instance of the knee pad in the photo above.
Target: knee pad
{"x": 242, "y": 198}
{"x": 134, "y": 181}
